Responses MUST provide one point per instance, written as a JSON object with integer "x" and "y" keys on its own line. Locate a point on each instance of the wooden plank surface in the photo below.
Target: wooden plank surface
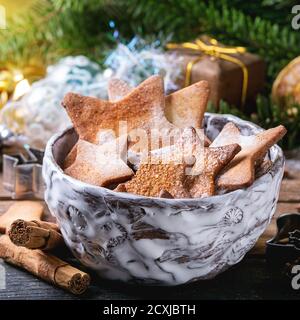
{"x": 250, "y": 279}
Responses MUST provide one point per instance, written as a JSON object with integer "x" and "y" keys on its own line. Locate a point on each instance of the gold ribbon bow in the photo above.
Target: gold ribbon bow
{"x": 15, "y": 81}
{"x": 215, "y": 50}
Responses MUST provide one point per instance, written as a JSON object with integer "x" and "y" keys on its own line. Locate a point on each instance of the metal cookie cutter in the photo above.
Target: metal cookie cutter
{"x": 22, "y": 173}
{"x": 284, "y": 247}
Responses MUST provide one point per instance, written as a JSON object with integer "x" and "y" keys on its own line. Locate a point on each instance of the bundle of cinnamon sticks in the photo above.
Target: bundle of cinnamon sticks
{"x": 27, "y": 242}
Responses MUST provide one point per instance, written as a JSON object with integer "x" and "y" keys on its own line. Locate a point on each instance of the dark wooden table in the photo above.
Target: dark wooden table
{"x": 250, "y": 279}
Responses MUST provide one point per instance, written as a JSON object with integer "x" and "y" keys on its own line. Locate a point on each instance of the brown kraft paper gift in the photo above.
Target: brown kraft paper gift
{"x": 225, "y": 77}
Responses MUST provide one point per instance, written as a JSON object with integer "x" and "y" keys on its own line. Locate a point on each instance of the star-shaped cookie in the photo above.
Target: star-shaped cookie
{"x": 201, "y": 179}
{"x": 150, "y": 179}
{"x": 27, "y": 210}
{"x": 184, "y": 108}
{"x": 142, "y": 108}
{"x": 240, "y": 172}
{"x": 142, "y": 111}
{"x": 184, "y": 170}
{"x": 100, "y": 165}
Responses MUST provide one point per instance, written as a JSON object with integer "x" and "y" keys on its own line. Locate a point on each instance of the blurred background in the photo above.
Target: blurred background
{"x": 50, "y": 47}
{"x": 16, "y": 7}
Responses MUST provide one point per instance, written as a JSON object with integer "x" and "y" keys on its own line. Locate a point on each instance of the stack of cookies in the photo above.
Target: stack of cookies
{"x": 146, "y": 143}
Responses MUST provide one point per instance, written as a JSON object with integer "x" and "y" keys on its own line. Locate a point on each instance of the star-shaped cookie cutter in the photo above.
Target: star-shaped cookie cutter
{"x": 22, "y": 173}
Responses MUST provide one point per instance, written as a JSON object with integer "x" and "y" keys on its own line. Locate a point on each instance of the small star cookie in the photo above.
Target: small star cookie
{"x": 240, "y": 172}
{"x": 100, "y": 165}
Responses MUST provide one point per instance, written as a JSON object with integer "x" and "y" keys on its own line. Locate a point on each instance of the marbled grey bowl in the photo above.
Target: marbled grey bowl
{"x": 159, "y": 241}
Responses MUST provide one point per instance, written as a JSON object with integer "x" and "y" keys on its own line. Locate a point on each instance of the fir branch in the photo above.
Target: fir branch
{"x": 50, "y": 31}
{"x": 226, "y": 20}
{"x": 55, "y": 28}
{"x": 83, "y": 26}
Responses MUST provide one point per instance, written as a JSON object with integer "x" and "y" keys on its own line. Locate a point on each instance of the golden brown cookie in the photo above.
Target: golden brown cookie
{"x": 163, "y": 169}
{"x": 184, "y": 108}
{"x": 101, "y": 165}
{"x": 151, "y": 178}
{"x": 142, "y": 109}
{"x": 26, "y": 210}
{"x": 209, "y": 162}
{"x": 240, "y": 172}
{"x": 103, "y": 138}
{"x": 187, "y": 169}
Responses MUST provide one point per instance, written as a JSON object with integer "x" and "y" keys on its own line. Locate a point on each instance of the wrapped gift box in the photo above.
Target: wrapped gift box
{"x": 225, "y": 77}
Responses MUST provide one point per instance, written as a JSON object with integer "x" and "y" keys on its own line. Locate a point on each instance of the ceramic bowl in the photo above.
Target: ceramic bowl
{"x": 153, "y": 240}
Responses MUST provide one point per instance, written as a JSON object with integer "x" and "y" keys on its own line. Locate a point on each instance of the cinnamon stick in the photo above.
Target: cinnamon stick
{"x": 35, "y": 234}
{"x": 44, "y": 266}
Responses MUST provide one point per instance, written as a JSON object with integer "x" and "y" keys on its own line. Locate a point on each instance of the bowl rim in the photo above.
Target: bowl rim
{"x": 122, "y": 195}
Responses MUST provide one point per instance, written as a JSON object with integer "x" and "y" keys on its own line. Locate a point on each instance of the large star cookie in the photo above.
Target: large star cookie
{"x": 240, "y": 172}
{"x": 184, "y": 108}
{"x": 142, "y": 109}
